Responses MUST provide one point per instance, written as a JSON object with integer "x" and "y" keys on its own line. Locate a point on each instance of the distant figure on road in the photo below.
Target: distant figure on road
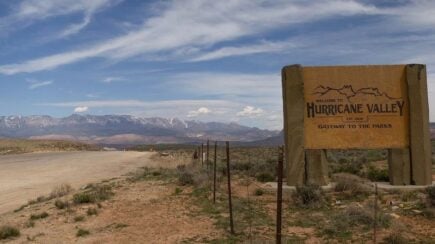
{"x": 195, "y": 154}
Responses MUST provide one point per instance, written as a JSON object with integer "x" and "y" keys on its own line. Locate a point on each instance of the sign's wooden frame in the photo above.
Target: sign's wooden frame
{"x": 407, "y": 166}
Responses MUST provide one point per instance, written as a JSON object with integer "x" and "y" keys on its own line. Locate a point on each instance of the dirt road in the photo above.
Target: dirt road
{"x": 27, "y": 176}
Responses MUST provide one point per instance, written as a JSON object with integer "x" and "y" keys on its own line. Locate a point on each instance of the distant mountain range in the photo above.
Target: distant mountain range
{"x": 126, "y": 129}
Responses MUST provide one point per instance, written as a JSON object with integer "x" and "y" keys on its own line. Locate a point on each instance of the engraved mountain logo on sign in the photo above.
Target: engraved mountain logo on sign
{"x": 349, "y": 92}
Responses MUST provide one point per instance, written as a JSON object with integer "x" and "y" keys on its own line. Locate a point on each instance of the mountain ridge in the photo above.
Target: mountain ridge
{"x": 120, "y": 129}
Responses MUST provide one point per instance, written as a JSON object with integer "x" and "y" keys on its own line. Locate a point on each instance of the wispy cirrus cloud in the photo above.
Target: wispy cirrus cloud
{"x": 142, "y": 104}
{"x": 240, "y": 85}
{"x": 265, "y": 47}
{"x": 27, "y": 12}
{"x": 189, "y": 25}
{"x": 34, "y": 84}
{"x": 111, "y": 79}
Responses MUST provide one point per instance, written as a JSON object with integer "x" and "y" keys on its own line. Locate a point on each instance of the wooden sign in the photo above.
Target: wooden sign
{"x": 355, "y": 107}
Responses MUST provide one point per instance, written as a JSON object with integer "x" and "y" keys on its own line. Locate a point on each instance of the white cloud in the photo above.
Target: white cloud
{"x": 76, "y": 28}
{"x": 198, "y": 112}
{"x": 228, "y": 84}
{"x": 192, "y": 25}
{"x": 250, "y": 111}
{"x": 34, "y": 84}
{"x": 41, "y": 9}
{"x": 81, "y": 109}
{"x": 27, "y": 12}
{"x": 416, "y": 13}
{"x": 163, "y": 108}
{"x": 267, "y": 47}
{"x": 112, "y": 79}
{"x": 179, "y": 105}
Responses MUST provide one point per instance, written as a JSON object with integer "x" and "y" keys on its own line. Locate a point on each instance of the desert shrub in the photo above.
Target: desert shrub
{"x": 61, "y": 204}
{"x": 82, "y": 232}
{"x": 342, "y": 223}
{"x": 431, "y": 195}
{"x": 102, "y": 192}
{"x": 241, "y": 166}
{"x": 152, "y": 174}
{"x": 265, "y": 177}
{"x": 309, "y": 196}
{"x": 42, "y": 215}
{"x": 93, "y": 194}
{"x": 375, "y": 155}
{"x": 350, "y": 166}
{"x": 407, "y": 196}
{"x": 375, "y": 174}
{"x": 29, "y": 224}
{"x": 60, "y": 191}
{"x": 351, "y": 184}
{"x": 191, "y": 176}
{"x": 79, "y": 218}
{"x": 395, "y": 238}
{"x": 120, "y": 226}
{"x": 82, "y": 197}
{"x": 259, "y": 192}
{"x": 8, "y": 232}
{"x": 92, "y": 211}
{"x": 185, "y": 178}
{"x": 20, "y": 208}
{"x": 38, "y": 200}
{"x": 429, "y": 213}
{"x": 178, "y": 191}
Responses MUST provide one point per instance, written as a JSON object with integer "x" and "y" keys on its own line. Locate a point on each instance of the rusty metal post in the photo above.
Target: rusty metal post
{"x": 279, "y": 196}
{"x": 214, "y": 172}
{"x": 202, "y": 155}
{"x": 375, "y": 220}
{"x": 207, "y": 158}
{"x": 229, "y": 189}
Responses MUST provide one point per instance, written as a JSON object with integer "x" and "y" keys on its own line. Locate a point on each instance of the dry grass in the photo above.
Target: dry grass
{"x": 17, "y": 146}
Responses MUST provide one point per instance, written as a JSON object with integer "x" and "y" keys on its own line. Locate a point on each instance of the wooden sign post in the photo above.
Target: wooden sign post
{"x": 356, "y": 107}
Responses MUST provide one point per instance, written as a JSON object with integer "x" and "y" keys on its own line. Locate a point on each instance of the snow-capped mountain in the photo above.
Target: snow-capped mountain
{"x": 125, "y": 129}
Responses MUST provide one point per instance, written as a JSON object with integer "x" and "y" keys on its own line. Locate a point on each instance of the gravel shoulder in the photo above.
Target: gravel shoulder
{"x": 27, "y": 176}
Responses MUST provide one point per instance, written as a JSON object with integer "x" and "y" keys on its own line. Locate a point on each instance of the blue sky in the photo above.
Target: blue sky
{"x": 201, "y": 60}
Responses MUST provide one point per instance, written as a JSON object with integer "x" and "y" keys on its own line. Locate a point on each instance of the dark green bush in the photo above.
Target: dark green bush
{"x": 8, "y": 232}
{"x": 61, "y": 204}
{"x": 353, "y": 216}
{"x": 178, "y": 191}
{"x": 241, "y": 166}
{"x": 82, "y": 232}
{"x": 431, "y": 195}
{"x": 350, "y": 184}
{"x": 309, "y": 196}
{"x": 91, "y": 211}
{"x": 93, "y": 194}
{"x": 79, "y": 218}
{"x": 42, "y": 215}
{"x": 375, "y": 174}
{"x": 265, "y": 177}
{"x": 348, "y": 166}
{"x": 259, "y": 192}
{"x": 83, "y": 197}
{"x": 185, "y": 178}
{"x": 395, "y": 237}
